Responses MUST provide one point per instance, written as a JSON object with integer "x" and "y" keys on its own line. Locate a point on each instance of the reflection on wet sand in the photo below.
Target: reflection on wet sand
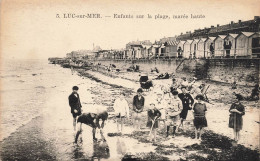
{"x": 121, "y": 147}
{"x": 100, "y": 149}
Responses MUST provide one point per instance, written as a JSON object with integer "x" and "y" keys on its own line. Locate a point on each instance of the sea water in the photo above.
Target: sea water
{"x": 23, "y": 92}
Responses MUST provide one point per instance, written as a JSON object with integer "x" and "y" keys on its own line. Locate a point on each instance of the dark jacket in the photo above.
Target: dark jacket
{"x": 74, "y": 102}
{"x": 187, "y": 100}
{"x": 227, "y": 45}
{"x": 138, "y": 104}
{"x": 154, "y": 113}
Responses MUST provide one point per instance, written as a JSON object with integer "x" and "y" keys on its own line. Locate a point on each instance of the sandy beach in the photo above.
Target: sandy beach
{"x": 49, "y": 135}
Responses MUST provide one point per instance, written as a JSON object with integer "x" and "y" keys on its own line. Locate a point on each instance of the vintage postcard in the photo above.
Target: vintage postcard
{"x": 129, "y": 80}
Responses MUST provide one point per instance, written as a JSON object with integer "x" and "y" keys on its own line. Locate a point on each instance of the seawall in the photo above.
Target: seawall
{"x": 243, "y": 71}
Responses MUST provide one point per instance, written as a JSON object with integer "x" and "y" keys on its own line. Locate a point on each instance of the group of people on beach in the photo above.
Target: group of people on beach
{"x": 166, "y": 110}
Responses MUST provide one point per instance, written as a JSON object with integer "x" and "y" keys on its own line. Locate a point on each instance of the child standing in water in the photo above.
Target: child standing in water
{"x": 237, "y": 110}
{"x": 200, "y": 121}
{"x": 153, "y": 116}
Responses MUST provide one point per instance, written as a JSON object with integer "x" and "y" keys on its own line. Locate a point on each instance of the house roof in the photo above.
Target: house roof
{"x": 232, "y": 35}
{"x": 221, "y": 36}
{"x": 172, "y": 43}
{"x": 188, "y": 41}
{"x": 248, "y": 34}
{"x": 156, "y": 46}
{"x": 181, "y": 42}
{"x": 211, "y": 38}
{"x": 146, "y": 46}
{"x": 202, "y": 39}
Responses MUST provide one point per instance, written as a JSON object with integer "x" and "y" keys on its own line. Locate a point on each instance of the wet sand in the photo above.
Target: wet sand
{"x": 51, "y": 136}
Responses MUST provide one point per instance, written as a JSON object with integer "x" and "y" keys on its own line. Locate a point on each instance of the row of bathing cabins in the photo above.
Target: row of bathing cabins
{"x": 243, "y": 35}
{"x": 245, "y": 44}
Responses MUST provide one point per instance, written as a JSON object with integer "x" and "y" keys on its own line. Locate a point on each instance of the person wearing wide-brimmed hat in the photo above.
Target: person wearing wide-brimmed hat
{"x": 75, "y": 105}
{"x": 187, "y": 102}
{"x": 138, "y": 107}
{"x": 173, "y": 113}
{"x": 199, "y": 112}
{"x": 237, "y": 110}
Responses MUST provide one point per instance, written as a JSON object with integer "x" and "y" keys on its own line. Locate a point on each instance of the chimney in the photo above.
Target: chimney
{"x": 181, "y": 33}
{"x": 212, "y": 26}
{"x": 232, "y": 22}
{"x": 217, "y": 25}
{"x": 239, "y": 21}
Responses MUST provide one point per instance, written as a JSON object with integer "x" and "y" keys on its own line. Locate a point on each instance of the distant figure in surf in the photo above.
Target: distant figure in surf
{"x": 75, "y": 105}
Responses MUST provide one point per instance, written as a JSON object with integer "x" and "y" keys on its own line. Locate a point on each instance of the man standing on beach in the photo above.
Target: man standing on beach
{"x": 138, "y": 107}
{"x": 75, "y": 104}
{"x": 187, "y": 102}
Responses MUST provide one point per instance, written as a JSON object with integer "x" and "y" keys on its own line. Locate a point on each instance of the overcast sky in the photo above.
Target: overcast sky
{"x": 30, "y": 29}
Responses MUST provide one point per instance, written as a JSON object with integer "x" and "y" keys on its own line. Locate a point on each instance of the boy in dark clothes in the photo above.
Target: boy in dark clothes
{"x": 138, "y": 107}
{"x": 75, "y": 104}
{"x": 187, "y": 102}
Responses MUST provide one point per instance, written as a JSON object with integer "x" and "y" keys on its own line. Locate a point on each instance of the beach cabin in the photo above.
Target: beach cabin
{"x": 145, "y": 51}
{"x": 208, "y": 41}
{"x": 201, "y": 48}
{"x": 171, "y": 49}
{"x": 150, "y": 52}
{"x": 232, "y": 39}
{"x": 254, "y": 44}
{"x": 130, "y": 53}
{"x": 155, "y": 50}
{"x": 186, "y": 48}
{"x": 181, "y": 44}
{"x": 247, "y": 44}
{"x": 219, "y": 46}
{"x": 193, "y": 47}
{"x": 137, "y": 53}
{"x": 161, "y": 50}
